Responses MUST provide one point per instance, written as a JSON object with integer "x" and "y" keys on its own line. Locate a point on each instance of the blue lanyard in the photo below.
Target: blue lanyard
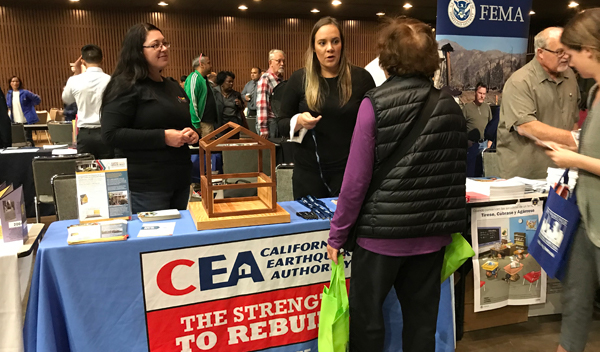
{"x": 312, "y": 132}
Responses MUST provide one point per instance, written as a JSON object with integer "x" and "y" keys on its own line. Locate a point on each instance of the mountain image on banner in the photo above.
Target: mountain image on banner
{"x": 492, "y": 67}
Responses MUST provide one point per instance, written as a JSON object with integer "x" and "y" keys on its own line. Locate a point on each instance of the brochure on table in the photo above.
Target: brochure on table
{"x": 504, "y": 272}
{"x": 102, "y": 190}
{"x": 13, "y": 218}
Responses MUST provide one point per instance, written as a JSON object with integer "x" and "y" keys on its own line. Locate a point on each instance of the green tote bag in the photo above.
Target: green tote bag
{"x": 456, "y": 254}
{"x": 334, "y": 319}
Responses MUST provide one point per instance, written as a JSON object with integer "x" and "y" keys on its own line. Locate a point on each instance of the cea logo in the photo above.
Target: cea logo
{"x": 461, "y": 12}
{"x": 245, "y": 267}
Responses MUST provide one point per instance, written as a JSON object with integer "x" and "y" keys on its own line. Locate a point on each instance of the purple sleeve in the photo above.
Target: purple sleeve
{"x": 357, "y": 176}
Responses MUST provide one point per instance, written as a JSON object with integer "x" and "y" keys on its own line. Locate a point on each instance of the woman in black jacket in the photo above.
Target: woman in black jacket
{"x": 319, "y": 109}
{"x": 146, "y": 118}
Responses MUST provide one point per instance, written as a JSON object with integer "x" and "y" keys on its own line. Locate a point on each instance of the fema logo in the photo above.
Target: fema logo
{"x": 461, "y": 12}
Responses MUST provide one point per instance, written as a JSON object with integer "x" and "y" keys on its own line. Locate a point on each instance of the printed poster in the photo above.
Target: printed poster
{"x": 504, "y": 271}
{"x": 102, "y": 190}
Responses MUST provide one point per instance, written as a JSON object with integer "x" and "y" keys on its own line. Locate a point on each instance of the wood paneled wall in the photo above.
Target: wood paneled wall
{"x": 38, "y": 45}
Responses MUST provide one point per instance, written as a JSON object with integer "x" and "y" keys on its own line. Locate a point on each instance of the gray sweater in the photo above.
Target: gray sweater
{"x": 588, "y": 184}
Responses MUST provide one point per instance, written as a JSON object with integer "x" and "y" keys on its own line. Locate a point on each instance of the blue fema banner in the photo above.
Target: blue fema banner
{"x": 489, "y": 18}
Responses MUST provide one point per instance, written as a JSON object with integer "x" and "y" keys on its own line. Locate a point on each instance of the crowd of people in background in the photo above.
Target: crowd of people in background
{"x": 346, "y": 130}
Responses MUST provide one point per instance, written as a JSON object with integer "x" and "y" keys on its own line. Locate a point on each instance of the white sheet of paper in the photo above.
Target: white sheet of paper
{"x": 20, "y": 151}
{"x": 64, "y": 151}
{"x": 157, "y": 229}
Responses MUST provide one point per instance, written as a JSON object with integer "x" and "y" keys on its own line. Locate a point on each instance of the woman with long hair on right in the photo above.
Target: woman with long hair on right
{"x": 146, "y": 118}
{"x": 581, "y": 38}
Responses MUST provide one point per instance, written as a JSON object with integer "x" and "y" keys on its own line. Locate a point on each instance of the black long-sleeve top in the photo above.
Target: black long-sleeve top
{"x": 334, "y": 131}
{"x": 135, "y": 123}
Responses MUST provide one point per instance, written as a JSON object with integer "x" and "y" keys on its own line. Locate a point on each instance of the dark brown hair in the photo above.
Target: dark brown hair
{"x": 407, "y": 46}
{"x": 583, "y": 31}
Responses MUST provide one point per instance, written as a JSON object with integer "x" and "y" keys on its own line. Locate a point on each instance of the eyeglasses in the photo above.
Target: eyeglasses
{"x": 158, "y": 46}
{"x": 559, "y": 53}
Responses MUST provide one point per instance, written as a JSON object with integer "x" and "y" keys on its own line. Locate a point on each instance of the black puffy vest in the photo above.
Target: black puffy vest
{"x": 424, "y": 195}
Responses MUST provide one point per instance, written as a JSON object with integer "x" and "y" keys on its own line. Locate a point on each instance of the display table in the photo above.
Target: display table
{"x": 236, "y": 289}
{"x": 15, "y": 262}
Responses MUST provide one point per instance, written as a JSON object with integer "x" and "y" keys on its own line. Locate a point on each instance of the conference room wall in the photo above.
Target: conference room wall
{"x": 39, "y": 44}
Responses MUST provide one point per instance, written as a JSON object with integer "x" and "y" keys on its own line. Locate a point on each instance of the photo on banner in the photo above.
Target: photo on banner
{"x": 481, "y": 41}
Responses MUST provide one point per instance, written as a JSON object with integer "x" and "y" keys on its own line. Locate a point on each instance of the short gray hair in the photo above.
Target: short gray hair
{"x": 275, "y": 51}
{"x": 202, "y": 58}
{"x": 541, "y": 39}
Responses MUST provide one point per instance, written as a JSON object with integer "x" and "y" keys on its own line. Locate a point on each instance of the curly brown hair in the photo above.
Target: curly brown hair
{"x": 407, "y": 46}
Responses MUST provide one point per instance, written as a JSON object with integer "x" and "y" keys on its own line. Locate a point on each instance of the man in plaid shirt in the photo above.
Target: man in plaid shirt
{"x": 264, "y": 88}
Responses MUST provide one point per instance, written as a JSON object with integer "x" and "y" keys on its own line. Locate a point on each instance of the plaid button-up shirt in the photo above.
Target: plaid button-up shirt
{"x": 264, "y": 88}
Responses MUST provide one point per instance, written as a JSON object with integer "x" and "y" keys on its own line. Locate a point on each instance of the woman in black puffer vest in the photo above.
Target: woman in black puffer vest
{"x": 404, "y": 222}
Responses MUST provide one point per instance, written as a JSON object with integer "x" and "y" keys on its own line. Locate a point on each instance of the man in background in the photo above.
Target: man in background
{"x": 539, "y": 100}
{"x": 249, "y": 92}
{"x": 203, "y": 107}
{"x": 265, "y": 119}
{"x": 182, "y": 81}
{"x": 86, "y": 89}
{"x": 5, "y": 129}
{"x": 478, "y": 114}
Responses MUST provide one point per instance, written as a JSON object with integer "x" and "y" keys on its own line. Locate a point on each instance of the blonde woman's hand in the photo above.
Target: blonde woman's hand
{"x": 175, "y": 138}
{"x": 307, "y": 121}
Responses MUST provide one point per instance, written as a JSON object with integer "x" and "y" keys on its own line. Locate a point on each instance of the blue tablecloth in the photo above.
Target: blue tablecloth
{"x": 90, "y": 297}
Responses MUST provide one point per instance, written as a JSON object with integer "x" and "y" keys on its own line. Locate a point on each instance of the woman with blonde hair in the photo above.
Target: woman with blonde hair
{"x": 581, "y": 38}
{"x": 319, "y": 109}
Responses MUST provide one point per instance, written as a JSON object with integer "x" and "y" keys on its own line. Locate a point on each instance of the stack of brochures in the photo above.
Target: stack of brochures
{"x": 496, "y": 188}
{"x": 531, "y": 186}
{"x": 157, "y": 215}
{"x": 554, "y": 174}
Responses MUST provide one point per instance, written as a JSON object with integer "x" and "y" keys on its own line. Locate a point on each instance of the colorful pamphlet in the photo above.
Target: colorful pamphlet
{"x": 102, "y": 190}
{"x": 105, "y": 231}
{"x": 13, "y": 218}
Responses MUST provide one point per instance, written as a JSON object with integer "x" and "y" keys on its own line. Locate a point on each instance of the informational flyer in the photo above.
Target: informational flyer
{"x": 504, "y": 271}
{"x": 102, "y": 190}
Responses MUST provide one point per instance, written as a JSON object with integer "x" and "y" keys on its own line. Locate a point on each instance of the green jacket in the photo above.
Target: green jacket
{"x": 195, "y": 87}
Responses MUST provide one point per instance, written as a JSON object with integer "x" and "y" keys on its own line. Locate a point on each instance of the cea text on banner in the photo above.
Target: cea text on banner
{"x": 238, "y": 296}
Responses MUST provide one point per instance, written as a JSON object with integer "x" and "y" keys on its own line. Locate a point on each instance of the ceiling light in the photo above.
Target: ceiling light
{"x": 243, "y": 7}
{"x": 407, "y": 6}
{"x": 573, "y": 4}
{"x": 336, "y": 2}
{"x": 74, "y": 0}
{"x": 315, "y": 11}
{"x": 162, "y": 3}
{"x": 380, "y": 14}
{"x": 532, "y": 12}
